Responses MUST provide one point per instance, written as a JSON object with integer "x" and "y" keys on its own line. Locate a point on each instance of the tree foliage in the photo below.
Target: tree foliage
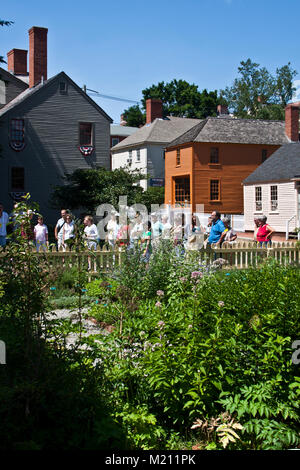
{"x": 134, "y": 116}
{"x": 89, "y": 188}
{"x": 259, "y": 94}
{"x": 4, "y": 23}
{"x": 179, "y": 98}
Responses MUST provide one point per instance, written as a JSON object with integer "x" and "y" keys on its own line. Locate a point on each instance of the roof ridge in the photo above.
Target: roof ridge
{"x": 200, "y": 124}
{"x": 152, "y": 125}
{"x": 245, "y": 119}
{"x": 30, "y": 91}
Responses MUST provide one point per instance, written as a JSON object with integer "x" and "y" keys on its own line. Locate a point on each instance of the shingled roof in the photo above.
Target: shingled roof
{"x": 236, "y": 131}
{"x": 282, "y": 165}
{"x": 160, "y": 131}
{"x": 28, "y": 92}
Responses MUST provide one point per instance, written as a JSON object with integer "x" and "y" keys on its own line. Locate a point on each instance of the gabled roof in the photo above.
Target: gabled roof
{"x": 7, "y": 76}
{"x": 29, "y": 92}
{"x": 238, "y": 131}
{"x": 160, "y": 131}
{"x": 282, "y": 165}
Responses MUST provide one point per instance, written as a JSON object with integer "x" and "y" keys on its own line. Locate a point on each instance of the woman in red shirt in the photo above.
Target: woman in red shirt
{"x": 264, "y": 232}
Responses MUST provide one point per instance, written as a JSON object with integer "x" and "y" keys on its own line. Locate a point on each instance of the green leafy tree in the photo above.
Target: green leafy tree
{"x": 179, "y": 98}
{"x": 4, "y": 23}
{"x": 259, "y": 94}
{"x": 134, "y": 116}
{"x": 89, "y": 188}
{"x": 153, "y": 195}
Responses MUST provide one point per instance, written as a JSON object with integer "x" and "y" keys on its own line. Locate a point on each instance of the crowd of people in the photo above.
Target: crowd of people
{"x": 137, "y": 232}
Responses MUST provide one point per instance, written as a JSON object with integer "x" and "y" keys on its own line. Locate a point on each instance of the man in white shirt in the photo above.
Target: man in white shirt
{"x": 4, "y": 218}
{"x": 166, "y": 227}
{"x": 58, "y": 231}
{"x": 112, "y": 230}
{"x": 137, "y": 230}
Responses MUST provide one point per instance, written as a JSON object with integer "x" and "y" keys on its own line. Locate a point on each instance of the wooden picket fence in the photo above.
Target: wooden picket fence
{"x": 238, "y": 255}
{"x": 242, "y": 255}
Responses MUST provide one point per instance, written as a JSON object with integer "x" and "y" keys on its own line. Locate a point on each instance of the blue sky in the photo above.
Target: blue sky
{"x": 119, "y": 48}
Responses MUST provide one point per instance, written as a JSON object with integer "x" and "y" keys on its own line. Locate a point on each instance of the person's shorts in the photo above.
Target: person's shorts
{"x": 2, "y": 240}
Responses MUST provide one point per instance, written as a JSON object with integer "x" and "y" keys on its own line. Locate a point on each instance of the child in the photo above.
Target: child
{"x": 41, "y": 235}
{"x": 90, "y": 232}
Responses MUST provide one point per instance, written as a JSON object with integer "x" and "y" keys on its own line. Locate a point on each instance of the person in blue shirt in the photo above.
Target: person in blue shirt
{"x": 217, "y": 228}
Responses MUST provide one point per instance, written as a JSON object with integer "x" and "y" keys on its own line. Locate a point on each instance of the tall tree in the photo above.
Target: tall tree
{"x": 258, "y": 94}
{"x": 89, "y": 188}
{"x": 179, "y": 98}
{"x": 4, "y": 23}
{"x": 134, "y": 116}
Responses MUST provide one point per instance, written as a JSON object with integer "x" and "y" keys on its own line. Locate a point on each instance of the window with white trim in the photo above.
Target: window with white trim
{"x": 274, "y": 198}
{"x": 114, "y": 141}
{"x": 258, "y": 198}
{"x": 138, "y": 155}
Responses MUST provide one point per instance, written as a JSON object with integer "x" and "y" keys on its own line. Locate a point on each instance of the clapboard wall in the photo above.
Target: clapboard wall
{"x": 52, "y": 139}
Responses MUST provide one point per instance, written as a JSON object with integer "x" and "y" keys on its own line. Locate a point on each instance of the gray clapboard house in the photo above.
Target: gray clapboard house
{"x": 47, "y": 130}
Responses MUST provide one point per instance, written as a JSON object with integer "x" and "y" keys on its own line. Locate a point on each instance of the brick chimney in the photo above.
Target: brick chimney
{"x": 17, "y": 61}
{"x": 292, "y": 122}
{"x": 122, "y": 120}
{"x": 37, "y": 55}
{"x": 222, "y": 109}
{"x": 154, "y": 109}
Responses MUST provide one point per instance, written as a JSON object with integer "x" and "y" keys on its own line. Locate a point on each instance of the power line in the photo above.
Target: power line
{"x": 109, "y": 97}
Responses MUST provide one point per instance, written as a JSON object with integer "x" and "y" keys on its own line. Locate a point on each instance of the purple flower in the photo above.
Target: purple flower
{"x": 161, "y": 324}
{"x": 196, "y": 274}
{"x": 160, "y": 293}
{"x": 158, "y": 304}
{"x": 221, "y": 303}
{"x": 183, "y": 279}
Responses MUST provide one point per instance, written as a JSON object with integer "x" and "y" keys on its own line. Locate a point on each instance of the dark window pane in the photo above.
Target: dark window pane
{"x": 182, "y": 190}
{"x": 264, "y": 155}
{"x": 214, "y": 155}
{"x": 17, "y": 130}
{"x": 85, "y": 133}
{"x": 17, "y": 179}
{"x": 214, "y": 190}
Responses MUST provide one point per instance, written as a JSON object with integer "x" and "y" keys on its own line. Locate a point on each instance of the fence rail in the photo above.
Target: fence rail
{"x": 237, "y": 255}
{"x": 245, "y": 254}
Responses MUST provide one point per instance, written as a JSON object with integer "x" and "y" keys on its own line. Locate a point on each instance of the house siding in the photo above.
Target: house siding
{"x": 152, "y": 161}
{"x": 287, "y": 205}
{"x": 236, "y": 162}
{"x": 10, "y": 90}
{"x": 52, "y": 139}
